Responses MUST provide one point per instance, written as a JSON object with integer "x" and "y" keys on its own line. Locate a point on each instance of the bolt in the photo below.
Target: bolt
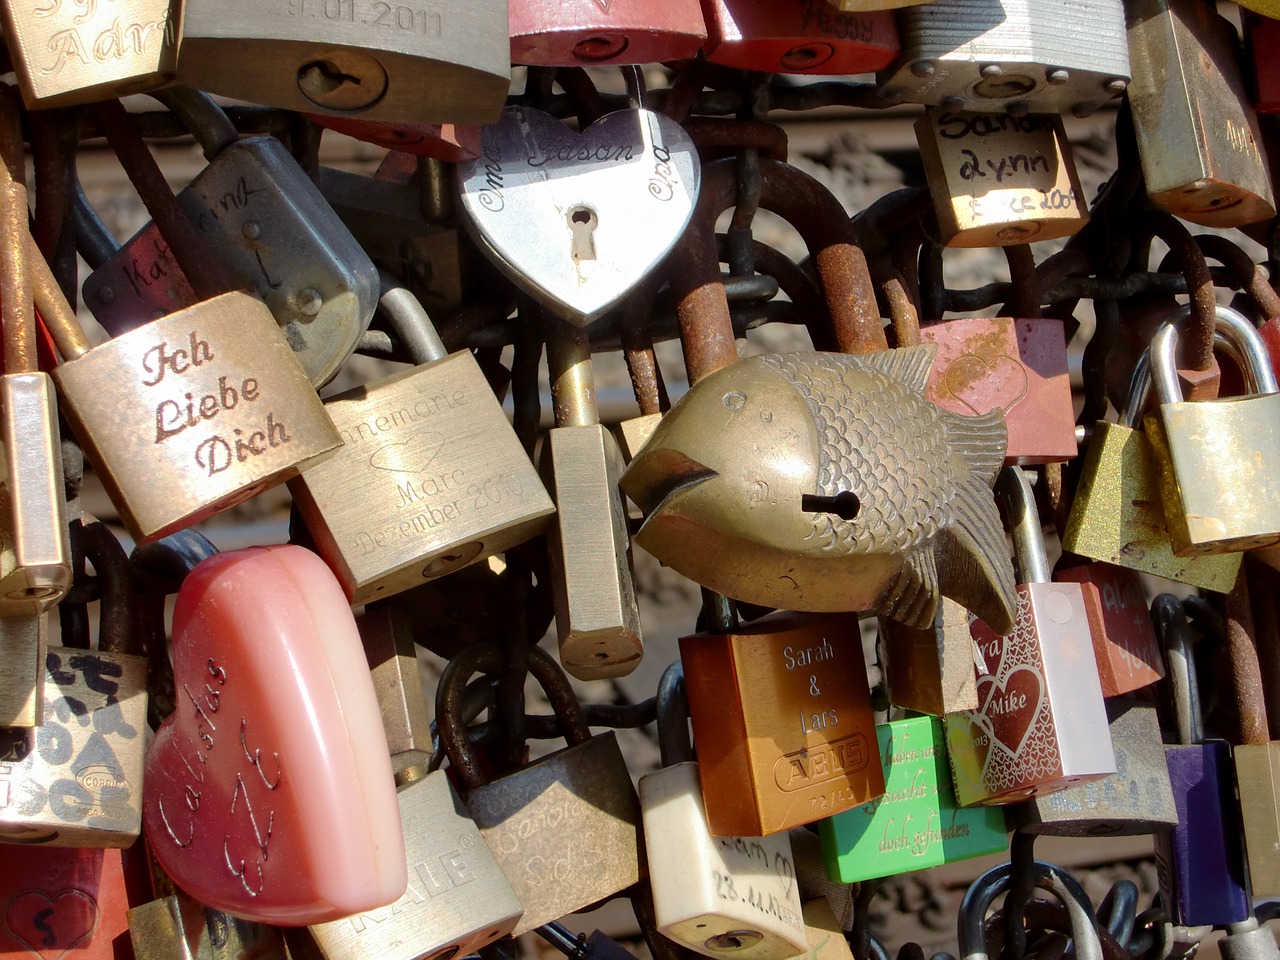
{"x": 923, "y": 68}
{"x": 1058, "y": 76}
{"x": 106, "y": 295}
{"x": 1117, "y": 86}
{"x": 252, "y": 229}
{"x": 310, "y": 301}
{"x": 990, "y": 70}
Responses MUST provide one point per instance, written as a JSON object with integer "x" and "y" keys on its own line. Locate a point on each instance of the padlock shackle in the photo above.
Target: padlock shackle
{"x": 1173, "y": 629}
{"x": 1014, "y": 492}
{"x": 983, "y": 891}
{"x": 94, "y": 241}
{"x": 16, "y": 304}
{"x": 116, "y": 632}
{"x": 1230, "y": 324}
{"x": 488, "y": 658}
{"x": 202, "y": 116}
{"x": 573, "y": 385}
{"x": 409, "y": 321}
{"x": 673, "y": 717}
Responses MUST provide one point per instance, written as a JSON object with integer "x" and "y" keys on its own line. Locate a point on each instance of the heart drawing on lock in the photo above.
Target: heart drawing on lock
{"x": 50, "y": 926}
{"x": 983, "y": 384}
{"x": 578, "y": 219}
{"x": 1011, "y": 706}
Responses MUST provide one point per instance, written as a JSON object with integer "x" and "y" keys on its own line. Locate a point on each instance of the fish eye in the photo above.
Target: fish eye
{"x": 844, "y": 504}
{"x": 734, "y": 400}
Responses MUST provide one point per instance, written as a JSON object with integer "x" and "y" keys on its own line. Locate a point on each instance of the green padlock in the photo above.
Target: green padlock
{"x": 916, "y": 824}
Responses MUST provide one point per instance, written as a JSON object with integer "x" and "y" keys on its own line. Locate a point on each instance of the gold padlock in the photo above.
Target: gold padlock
{"x": 1219, "y": 459}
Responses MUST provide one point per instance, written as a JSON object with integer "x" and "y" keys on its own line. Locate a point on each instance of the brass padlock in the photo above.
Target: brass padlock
{"x": 718, "y": 896}
{"x": 998, "y": 180}
{"x": 1186, "y": 68}
{"x": 805, "y": 751}
{"x": 1018, "y": 55}
{"x": 457, "y": 900}
{"x": 78, "y": 51}
{"x": 1219, "y": 460}
{"x": 76, "y": 780}
{"x": 430, "y": 477}
{"x": 597, "y": 618}
{"x": 564, "y": 828}
{"x": 931, "y": 670}
{"x": 268, "y": 228}
{"x": 23, "y": 642}
{"x": 350, "y": 57}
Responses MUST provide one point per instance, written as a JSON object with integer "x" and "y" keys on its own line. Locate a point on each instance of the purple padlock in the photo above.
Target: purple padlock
{"x": 1200, "y": 862}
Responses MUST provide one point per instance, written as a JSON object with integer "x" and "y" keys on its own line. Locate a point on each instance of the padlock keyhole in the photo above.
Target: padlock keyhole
{"x": 582, "y": 224}
{"x": 844, "y": 504}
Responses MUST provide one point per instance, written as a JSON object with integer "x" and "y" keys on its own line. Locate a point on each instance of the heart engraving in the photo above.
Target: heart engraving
{"x": 268, "y": 792}
{"x": 983, "y": 384}
{"x": 50, "y": 926}
{"x": 577, "y": 220}
{"x": 1011, "y": 705}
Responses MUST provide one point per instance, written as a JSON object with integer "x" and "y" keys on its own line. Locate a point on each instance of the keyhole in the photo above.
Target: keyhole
{"x": 342, "y": 80}
{"x": 582, "y": 224}
{"x": 844, "y": 504}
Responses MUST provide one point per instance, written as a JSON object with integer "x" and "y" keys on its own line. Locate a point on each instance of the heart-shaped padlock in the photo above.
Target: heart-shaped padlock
{"x": 578, "y": 219}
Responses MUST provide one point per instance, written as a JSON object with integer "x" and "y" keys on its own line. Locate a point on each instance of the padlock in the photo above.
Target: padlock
{"x": 1016, "y": 366}
{"x": 352, "y": 57}
{"x": 430, "y": 477}
{"x": 983, "y": 892}
{"x": 1124, "y": 643}
{"x": 269, "y": 229}
{"x": 825, "y": 939}
{"x": 804, "y": 752}
{"x": 798, "y": 36}
{"x": 1261, "y": 40}
{"x": 1136, "y": 799}
{"x": 1219, "y": 468}
{"x": 998, "y": 180}
{"x": 989, "y": 56}
{"x": 451, "y": 142}
{"x": 565, "y": 828}
{"x": 931, "y": 670}
{"x": 1200, "y": 862}
{"x": 584, "y": 195}
{"x": 916, "y": 824}
{"x": 597, "y": 618}
{"x": 78, "y": 51}
{"x": 457, "y": 900}
{"x": 76, "y": 780}
{"x": 1186, "y": 67}
{"x": 718, "y": 896}
{"x": 1041, "y": 725}
{"x": 62, "y": 902}
{"x": 552, "y": 34}
{"x": 35, "y": 553}
{"x": 1116, "y": 516}
{"x": 277, "y": 808}
{"x": 1248, "y": 941}
{"x": 23, "y": 640}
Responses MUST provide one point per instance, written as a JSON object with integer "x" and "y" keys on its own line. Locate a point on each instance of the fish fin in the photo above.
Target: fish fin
{"x": 913, "y": 597}
{"x": 908, "y": 365}
{"x": 978, "y": 444}
{"x": 976, "y": 569}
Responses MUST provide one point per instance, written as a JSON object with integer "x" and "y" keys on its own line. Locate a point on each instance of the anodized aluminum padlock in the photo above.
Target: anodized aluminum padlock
{"x": 1117, "y": 517}
{"x": 1017, "y": 366}
{"x": 1041, "y": 724}
{"x": 276, "y": 808}
{"x": 1124, "y": 642}
{"x": 597, "y": 616}
{"x": 798, "y": 36}
{"x": 430, "y": 477}
{"x": 998, "y": 180}
{"x": 1219, "y": 460}
{"x": 989, "y": 56}
{"x": 1186, "y": 67}
{"x": 1136, "y": 799}
{"x": 352, "y": 57}
{"x": 916, "y": 824}
{"x": 931, "y": 670}
{"x": 76, "y": 780}
{"x": 77, "y": 51}
{"x": 1200, "y": 862}
{"x": 565, "y": 828}
{"x": 717, "y": 896}
{"x": 548, "y": 33}
{"x": 269, "y": 228}
{"x": 804, "y": 752}
{"x": 458, "y": 899}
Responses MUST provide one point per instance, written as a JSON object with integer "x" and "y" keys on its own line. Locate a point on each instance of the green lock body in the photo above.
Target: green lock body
{"x": 916, "y": 824}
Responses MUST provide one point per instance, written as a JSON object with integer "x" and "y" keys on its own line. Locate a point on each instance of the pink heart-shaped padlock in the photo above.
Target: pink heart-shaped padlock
{"x": 269, "y": 793}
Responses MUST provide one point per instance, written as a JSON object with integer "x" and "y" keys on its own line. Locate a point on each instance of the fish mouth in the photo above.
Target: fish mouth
{"x": 657, "y": 478}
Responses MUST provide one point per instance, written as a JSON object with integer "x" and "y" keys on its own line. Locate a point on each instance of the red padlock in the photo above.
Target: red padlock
{"x": 798, "y": 36}
{"x": 451, "y": 142}
{"x": 1124, "y": 641}
{"x": 552, "y": 33}
{"x": 1018, "y": 366}
{"x": 1262, "y": 41}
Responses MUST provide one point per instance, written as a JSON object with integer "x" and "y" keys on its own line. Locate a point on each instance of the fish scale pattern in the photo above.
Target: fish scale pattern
{"x": 882, "y": 442}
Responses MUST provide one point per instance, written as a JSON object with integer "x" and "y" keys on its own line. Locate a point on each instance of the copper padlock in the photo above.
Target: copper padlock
{"x": 798, "y": 36}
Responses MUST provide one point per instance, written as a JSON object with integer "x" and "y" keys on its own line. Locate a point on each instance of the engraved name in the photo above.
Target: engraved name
{"x": 119, "y": 41}
{"x": 408, "y": 415}
{"x": 563, "y": 150}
